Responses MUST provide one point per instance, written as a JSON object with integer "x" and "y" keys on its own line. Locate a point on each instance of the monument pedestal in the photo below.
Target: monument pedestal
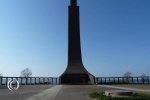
{"x": 77, "y": 79}
{"x": 76, "y": 74}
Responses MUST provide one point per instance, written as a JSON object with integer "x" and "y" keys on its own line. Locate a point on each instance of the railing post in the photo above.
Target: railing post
{"x": 43, "y": 80}
{"x": 17, "y": 79}
{"x": 39, "y": 80}
{"x": 129, "y": 82}
{"x": 96, "y": 79}
{"x": 0, "y": 80}
{"x": 6, "y": 80}
{"x": 143, "y": 80}
{"x": 30, "y": 81}
{"x": 35, "y": 81}
{"x": 52, "y": 80}
{"x": 132, "y": 80}
{"x": 148, "y": 79}
{"x": 56, "y": 81}
{"x": 26, "y": 80}
{"x": 48, "y": 81}
{"x": 122, "y": 80}
{"x": 101, "y": 80}
{"x": 109, "y": 80}
{"x": 21, "y": 80}
{"x": 105, "y": 80}
{"x": 137, "y": 80}
{"x": 114, "y": 80}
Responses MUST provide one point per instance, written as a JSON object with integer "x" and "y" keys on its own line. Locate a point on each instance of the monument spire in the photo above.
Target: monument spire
{"x": 73, "y": 2}
{"x": 75, "y": 72}
{"x": 74, "y": 45}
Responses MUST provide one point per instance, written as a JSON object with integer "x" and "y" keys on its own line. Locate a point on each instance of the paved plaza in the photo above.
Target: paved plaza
{"x": 63, "y": 92}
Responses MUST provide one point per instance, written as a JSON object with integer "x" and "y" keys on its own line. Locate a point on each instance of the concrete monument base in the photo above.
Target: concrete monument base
{"x": 85, "y": 79}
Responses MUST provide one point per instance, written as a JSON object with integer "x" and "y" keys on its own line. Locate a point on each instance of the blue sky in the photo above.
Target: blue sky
{"x": 115, "y": 36}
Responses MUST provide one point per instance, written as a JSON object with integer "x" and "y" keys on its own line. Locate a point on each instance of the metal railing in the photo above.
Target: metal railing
{"x": 123, "y": 80}
{"x": 55, "y": 80}
{"x": 30, "y": 80}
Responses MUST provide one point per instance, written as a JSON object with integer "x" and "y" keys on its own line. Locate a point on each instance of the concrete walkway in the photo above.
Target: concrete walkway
{"x": 76, "y": 92}
{"x": 58, "y": 92}
{"x": 125, "y": 88}
{"x": 23, "y": 92}
{"x": 65, "y": 92}
{"x": 48, "y": 94}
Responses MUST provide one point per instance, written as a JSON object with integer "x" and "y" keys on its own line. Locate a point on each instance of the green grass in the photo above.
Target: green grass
{"x": 135, "y": 96}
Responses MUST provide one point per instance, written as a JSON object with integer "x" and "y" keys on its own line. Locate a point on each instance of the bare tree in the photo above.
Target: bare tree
{"x": 127, "y": 75}
{"x": 143, "y": 76}
{"x": 1, "y": 75}
{"x": 26, "y": 73}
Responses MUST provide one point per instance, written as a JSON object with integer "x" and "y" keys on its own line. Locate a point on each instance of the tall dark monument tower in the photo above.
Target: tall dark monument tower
{"x": 75, "y": 72}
